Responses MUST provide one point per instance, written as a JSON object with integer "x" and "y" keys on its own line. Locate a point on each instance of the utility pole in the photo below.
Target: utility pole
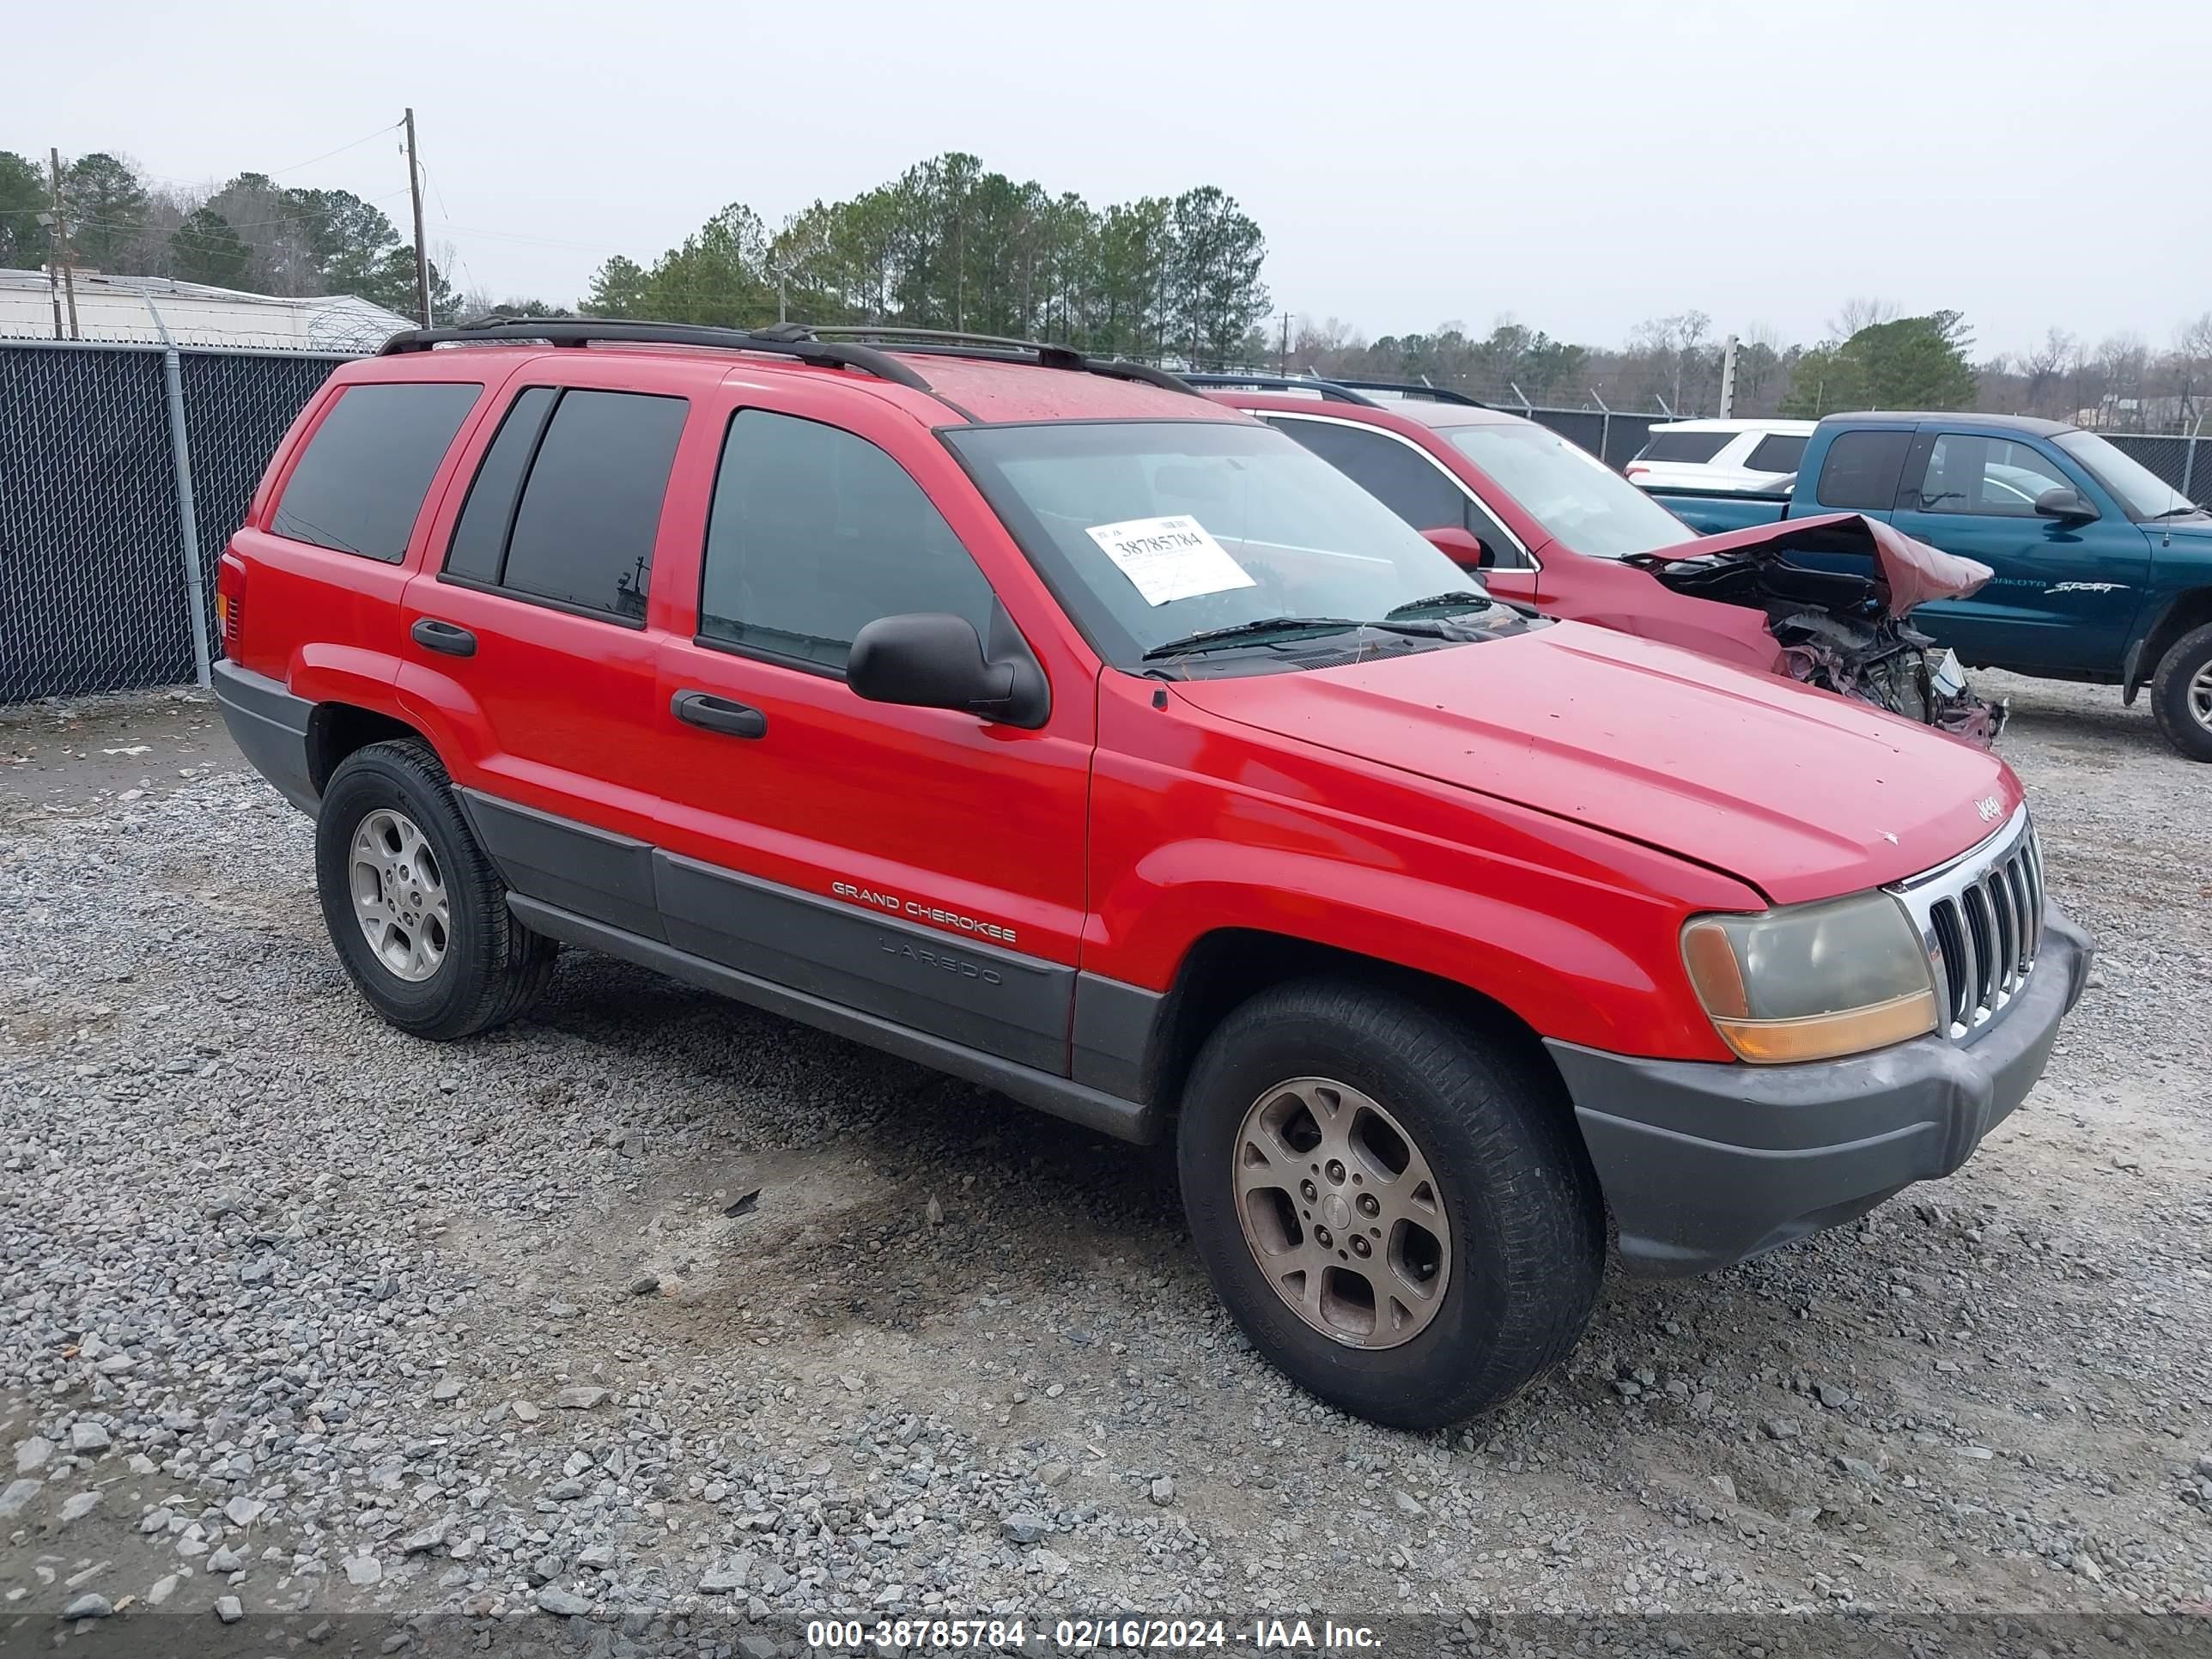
{"x": 1283, "y": 362}
{"x": 62, "y": 246}
{"x": 421, "y": 253}
{"x": 1728, "y": 378}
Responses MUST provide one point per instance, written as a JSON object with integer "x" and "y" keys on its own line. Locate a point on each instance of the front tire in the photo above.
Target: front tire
{"x": 1396, "y": 1209}
{"x": 2181, "y": 694}
{"x": 415, "y": 908}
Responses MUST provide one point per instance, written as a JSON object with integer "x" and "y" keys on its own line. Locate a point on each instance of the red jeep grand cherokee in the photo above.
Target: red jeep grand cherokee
{"x": 1040, "y": 720}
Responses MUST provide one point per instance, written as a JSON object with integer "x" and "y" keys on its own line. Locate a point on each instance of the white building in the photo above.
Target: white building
{"x": 126, "y": 308}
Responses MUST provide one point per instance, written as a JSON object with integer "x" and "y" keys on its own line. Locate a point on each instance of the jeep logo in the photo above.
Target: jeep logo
{"x": 1990, "y": 808}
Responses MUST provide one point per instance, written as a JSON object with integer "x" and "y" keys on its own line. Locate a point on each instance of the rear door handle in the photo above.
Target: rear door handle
{"x": 434, "y": 636}
{"x": 732, "y": 720}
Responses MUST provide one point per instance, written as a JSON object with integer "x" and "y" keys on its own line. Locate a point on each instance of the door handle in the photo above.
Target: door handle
{"x": 434, "y": 636}
{"x": 713, "y": 714}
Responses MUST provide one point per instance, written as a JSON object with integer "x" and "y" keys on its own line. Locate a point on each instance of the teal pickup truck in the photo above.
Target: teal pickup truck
{"x": 2104, "y": 570}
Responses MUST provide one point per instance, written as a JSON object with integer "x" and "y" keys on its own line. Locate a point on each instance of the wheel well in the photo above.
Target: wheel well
{"x": 335, "y": 730}
{"x": 2185, "y": 614}
{"x": 1224, "y": 969}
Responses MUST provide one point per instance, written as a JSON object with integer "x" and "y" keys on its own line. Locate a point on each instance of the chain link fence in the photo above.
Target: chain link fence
{"x": 93, "y": 510}
{"x": 2184, "y": 462}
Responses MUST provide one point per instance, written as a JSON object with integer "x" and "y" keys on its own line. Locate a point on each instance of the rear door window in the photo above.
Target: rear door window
{"x": 591, "y": 470}
{"x": 1691, "y": 446}
{"x": 1860, "y": 471}
{"x": 1778, "y": 453}
{"x": 359, "y": 487}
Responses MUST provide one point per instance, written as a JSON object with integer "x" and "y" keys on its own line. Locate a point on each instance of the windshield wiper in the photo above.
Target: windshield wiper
{"x": 1207, "y": 639}
{"x": 1460, "y": 599}
{"x": 2186, "y": 510}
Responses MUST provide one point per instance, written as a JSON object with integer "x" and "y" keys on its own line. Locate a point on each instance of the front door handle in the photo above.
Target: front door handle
{"x": 732, "y": 720}
{"x": 434, "y": 636}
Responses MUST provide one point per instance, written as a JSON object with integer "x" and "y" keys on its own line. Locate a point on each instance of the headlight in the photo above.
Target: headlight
{"x": 1811, "y": 981}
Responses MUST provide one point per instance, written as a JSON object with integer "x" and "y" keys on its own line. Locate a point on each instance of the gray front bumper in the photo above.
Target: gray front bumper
{"x": 1706, "y": 1164}
{"x": 270, "y": 726}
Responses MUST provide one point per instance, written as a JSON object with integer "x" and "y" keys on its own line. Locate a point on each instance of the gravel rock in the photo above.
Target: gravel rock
{"x": 88, "y": 1605}
{"x": 87, "y": 1437}
{"x": 363, "y": 1570}
{"x": 580, "y": 1398}
{"x": 244, "y": 1511}
{"x": 1163, "y": 1491}
{"x": 17, "y": 1496}
{"x": 1025, "y": 1529}
{"x": 229, "y": 1609}
{"x": 78, "y": 1505}
{"x": 33, "y": 1455}
{"x": 562, "y": 1604}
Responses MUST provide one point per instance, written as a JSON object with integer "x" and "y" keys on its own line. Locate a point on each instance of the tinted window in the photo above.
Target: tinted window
{"x": 1778, "y": 453}
{"x": 1685, "y": 445}
{"x": 479, "y": 545}
{"x": 361, "y": 481}
{"x": 1861, "y": 472}
{"x": 816, "y": 533}
{"x": 1991, "y": 476}
{"x": 1399, "y": 476}
{"x": 583, "y": 534}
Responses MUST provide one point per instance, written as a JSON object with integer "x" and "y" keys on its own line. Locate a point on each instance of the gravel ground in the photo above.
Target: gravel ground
{"x": 303, "y": 1320}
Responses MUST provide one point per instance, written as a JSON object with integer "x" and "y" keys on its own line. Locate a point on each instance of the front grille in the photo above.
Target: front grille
{"x": 1981, "y": 918}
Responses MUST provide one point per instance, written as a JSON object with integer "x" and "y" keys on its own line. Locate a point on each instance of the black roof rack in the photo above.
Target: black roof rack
{"x": 1420, "y": 389}
{"x": 959, "y": 342}
{"x": 1332, "y": 391}
{"x": 582, "y": 330}
{"x": 797, "y": 340}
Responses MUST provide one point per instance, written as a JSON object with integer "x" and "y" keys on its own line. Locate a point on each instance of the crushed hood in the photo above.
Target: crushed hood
{"x": 1909, "y": 571}
{"x": 1801, "y": 794}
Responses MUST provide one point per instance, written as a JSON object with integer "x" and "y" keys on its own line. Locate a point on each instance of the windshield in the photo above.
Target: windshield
{"x": 1151, "y": 531}
{"x": 2141, "y": 492}
{"x": 1572, "y": 493}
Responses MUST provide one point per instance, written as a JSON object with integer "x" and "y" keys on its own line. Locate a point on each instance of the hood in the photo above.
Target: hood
{"x": 1800, "y": 793}
{"x": 1909, "y": 571}
{"x": 2196, "y": 532}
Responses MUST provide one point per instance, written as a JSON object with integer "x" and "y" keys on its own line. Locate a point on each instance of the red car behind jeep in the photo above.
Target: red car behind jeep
{"x": 1548, "y": 525}
{"x": 1038, "y": 719}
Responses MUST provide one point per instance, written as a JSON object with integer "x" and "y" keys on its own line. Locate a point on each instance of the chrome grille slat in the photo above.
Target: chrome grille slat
{"x": 1981, "y": 919}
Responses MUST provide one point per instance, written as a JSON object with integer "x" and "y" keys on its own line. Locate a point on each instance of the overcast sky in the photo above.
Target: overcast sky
{"x": 1579, "y": 166}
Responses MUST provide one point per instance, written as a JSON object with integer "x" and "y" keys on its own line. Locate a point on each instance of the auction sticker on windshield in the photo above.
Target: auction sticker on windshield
{"x": 1171, "y": 558}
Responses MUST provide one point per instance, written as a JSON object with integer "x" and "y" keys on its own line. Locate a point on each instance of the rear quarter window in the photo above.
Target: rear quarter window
{"x": 1778, "y": 453}
{"x": 1861, "y": 469}
{"x": 359, "y": 486}
{"x": 1685, "y": 445}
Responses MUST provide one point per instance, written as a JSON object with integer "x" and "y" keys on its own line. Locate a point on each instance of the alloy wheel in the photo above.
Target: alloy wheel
{"x": 399, "y": 895}
{"x": 1342, "y": 1213}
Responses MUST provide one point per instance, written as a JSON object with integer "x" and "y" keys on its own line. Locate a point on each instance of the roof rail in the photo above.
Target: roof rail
{"x": 582, "y": 330}
{"x": 1420, "y": 390}
{"x": 960, "y": 342}
{"x": 799, "y": 340}
{"x": 1331, "y": 391}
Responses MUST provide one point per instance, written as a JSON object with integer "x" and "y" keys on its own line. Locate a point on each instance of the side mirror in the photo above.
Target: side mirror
{"x": 931, "y": 660}
{"x": 2063, "y": 503}
{"x": 1463, "y": 547}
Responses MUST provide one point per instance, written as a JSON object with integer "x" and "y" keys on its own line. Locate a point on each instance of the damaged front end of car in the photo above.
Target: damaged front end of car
{"x": 1838, "y": 629}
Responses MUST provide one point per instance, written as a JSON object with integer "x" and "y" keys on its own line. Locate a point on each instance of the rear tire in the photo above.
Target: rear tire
{"x": 1515, "y": 1240}
{"x": 2181, "y": 694}
{"x": 417, "y": 910}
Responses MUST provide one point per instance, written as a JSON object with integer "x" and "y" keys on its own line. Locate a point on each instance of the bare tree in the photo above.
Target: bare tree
{"x": 1860, "y": 312}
